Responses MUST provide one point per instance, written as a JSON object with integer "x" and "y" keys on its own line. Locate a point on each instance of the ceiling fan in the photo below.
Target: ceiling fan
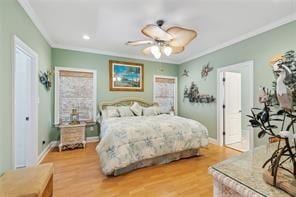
{"x": 170, "y": 41}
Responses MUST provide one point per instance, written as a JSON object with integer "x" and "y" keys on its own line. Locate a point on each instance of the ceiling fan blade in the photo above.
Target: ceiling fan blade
{"x": 139, "y": 42}
{"x": 182, "y": 36}
{"x": 147, "y": 51}
{"x": 176, "y": 50}
{"x": 156, "y": 33}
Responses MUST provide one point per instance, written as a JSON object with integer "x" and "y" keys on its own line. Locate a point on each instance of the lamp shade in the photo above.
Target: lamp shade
{"x": 167, "y": 50}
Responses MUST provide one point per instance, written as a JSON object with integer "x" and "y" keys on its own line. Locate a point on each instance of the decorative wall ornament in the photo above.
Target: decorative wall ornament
{"x": 284, "y": 86}
{"x": 205, "y": 71}
{"x": 281, "y": 170}
{"x": 185, "y": 73}
{"x": 126, "y": 76}
{"x": 267, "y": 96}
{"x": 45, "y": 79}
{"x": 194, "y": 95}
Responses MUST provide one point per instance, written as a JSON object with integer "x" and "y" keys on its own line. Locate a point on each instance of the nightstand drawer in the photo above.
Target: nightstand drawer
{"x": 71, "y": 131}
{"x": 72, "y": 136}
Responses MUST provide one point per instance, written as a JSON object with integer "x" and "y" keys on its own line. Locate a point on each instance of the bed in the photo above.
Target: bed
{"x": 132, "y": 142}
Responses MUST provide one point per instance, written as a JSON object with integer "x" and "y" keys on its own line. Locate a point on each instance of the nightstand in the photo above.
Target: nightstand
{"x": 72, "y": 136}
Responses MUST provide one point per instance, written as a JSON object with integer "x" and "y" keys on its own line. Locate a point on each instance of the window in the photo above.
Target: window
{"x": 75, "y": 88}
{"x": 165, "y": 93}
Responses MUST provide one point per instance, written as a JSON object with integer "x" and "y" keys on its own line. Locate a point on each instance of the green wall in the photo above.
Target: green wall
{"x": 14, "y": 21}
{"x": 3, "y": 163}
{"x": 259, "y": 48}
{"x": 100, "y": 63}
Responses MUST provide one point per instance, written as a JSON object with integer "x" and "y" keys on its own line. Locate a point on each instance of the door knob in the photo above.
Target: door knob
{"x": 27, "y": 118}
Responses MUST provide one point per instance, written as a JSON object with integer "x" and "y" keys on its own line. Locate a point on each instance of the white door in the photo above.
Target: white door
{"x": 22, "y": 108}
{"x": 233, "y": 122}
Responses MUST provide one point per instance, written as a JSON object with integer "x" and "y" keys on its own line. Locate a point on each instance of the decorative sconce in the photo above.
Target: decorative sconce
{"x": 185, "y": 73}
{"x": 45, "y": 79}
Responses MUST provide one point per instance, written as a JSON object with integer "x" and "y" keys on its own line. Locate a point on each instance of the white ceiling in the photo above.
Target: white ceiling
{"x": 111, "y": 23}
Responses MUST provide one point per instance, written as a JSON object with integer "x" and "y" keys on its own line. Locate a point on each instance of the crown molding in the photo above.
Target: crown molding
{"x": 101, "y": 52}
{"x": 270, "y": 26}
{"x": 31, "y": 13}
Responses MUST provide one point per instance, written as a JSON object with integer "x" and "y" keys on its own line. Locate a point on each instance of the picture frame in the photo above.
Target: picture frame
{"x": 126, "y": 76}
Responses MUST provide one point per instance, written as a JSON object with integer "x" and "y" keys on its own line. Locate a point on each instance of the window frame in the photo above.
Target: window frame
{"x": 175, "y": 89}
{"x": 56, "y": 91}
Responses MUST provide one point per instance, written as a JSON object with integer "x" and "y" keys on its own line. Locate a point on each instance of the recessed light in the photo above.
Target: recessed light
{"x": 86, "y": 37}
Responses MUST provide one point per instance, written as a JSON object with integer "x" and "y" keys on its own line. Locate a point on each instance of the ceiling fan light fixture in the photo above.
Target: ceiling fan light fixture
{"x": 155, "y": 49}
{"x": 167, "y": 50}
{"x": 157, "y": 55}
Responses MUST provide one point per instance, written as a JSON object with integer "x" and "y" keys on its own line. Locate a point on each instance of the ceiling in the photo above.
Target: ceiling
{"x": 111, "y": 23}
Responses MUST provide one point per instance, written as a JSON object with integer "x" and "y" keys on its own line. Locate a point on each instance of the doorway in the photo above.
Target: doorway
{"x": 25, "y": 105}
{"x": 234, "y": 101}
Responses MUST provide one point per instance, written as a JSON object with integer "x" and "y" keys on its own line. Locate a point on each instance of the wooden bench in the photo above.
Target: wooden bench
{"x": 34, "y": 181}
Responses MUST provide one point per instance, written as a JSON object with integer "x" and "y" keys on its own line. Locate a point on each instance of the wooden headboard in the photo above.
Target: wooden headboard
{"x": 125, "y": 102}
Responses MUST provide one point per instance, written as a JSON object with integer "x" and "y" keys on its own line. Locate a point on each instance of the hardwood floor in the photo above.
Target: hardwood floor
{"x": 77, "y": 173}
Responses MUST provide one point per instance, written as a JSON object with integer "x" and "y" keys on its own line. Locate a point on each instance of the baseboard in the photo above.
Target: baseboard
{"x": 213, "y": 141}
{"x": 48, "y": 148}
{"x": 92, "y": 139}
{"x": 54, "y": 144}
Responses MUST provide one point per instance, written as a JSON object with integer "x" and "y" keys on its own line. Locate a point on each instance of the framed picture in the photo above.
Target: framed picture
{"x": 126, "y": 76}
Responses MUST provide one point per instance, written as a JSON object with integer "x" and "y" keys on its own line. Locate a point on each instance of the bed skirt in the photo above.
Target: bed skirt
{"x": 157, "y": 160}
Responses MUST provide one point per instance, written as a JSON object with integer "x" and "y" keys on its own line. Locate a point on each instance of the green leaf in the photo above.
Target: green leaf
{"x": 261, "y": 134}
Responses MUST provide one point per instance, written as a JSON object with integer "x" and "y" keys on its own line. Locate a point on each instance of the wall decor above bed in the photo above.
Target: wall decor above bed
{"x": 126, "y": 76}
{"x": 205, "y": 71}
{"x": 195, "y": 96}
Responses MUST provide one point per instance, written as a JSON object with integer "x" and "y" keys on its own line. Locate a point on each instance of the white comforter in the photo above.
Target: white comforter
{"x": 127, "y": 140}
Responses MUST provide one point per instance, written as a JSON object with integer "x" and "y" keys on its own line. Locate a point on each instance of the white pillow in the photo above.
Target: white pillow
{"x": 111, "y": 107}
{"x": 137, "y": 109}
{"x": 150, "y": 111}
{"x": 157, "y": 110}
{"x": 164, "y": 110}
{"x": 110, "y": 112}
{"x": 125, "y": 111}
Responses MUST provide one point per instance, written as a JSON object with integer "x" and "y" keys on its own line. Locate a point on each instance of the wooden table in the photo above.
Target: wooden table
{"x": 72, "y": 136}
